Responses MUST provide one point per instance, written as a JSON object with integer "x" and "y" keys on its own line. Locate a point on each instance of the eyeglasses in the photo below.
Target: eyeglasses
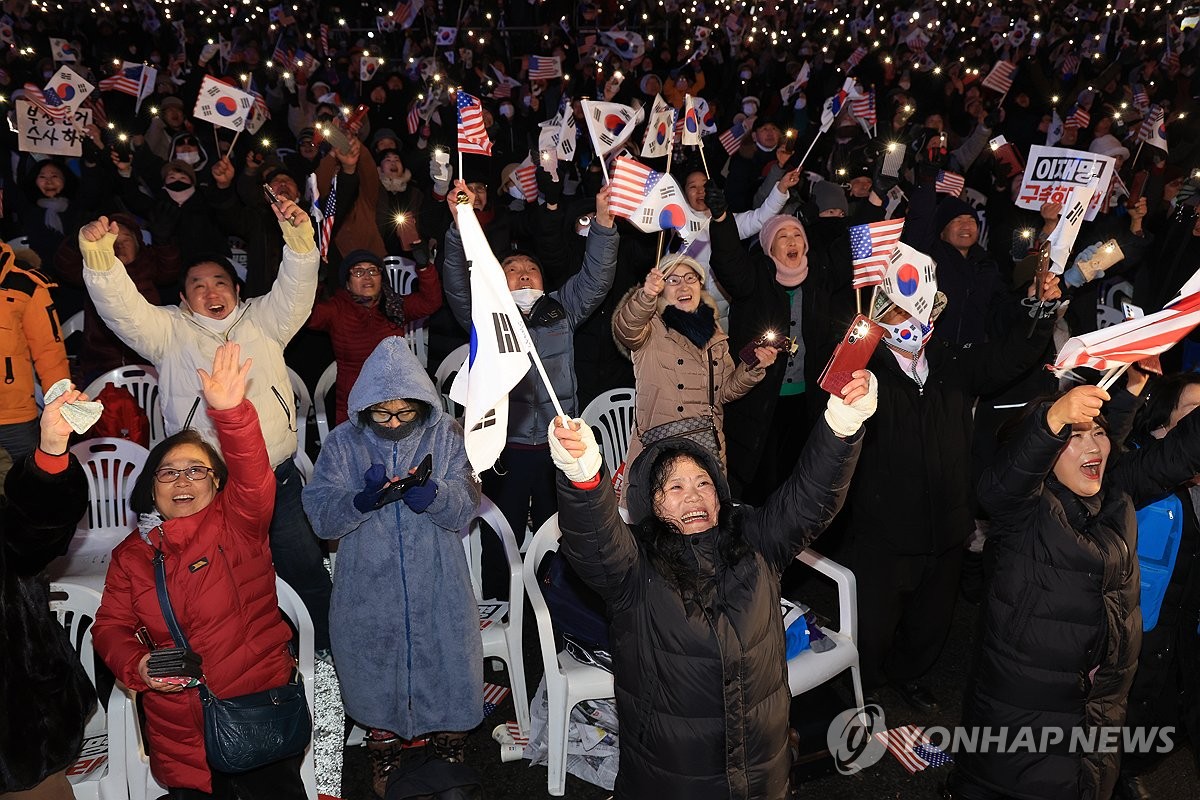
{"x": 690, "y": 279}
{"x": 168, "y": 475}
{"x": 382, "y": 416}
{"x": 365, "y": 272}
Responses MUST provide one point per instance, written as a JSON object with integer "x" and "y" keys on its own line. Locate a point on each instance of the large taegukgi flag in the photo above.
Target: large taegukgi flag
{"x": 500, "y": 348}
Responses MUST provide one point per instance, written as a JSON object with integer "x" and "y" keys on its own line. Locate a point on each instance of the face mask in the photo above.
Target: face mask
{"x": 801, "y": 101}
{"x": 515, "y": 193}
{"x": 749, "y": 109}
{"x": 527, "y": 100}
{"x": 506, "y": 111}
{"x": 188, "y": 158}
{"x": 177, "y": 186}
{"x": 525, "y": 298}
{"x": 47, "y": 75}
{"x": 744, "y": 74}
{"x": 181, "y": 196}
{"x": 909, "y": 336}
{"x": 397, "y": 433}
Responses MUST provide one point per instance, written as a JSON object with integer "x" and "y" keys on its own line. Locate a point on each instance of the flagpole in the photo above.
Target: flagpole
{"x": 236, "y": 134}
{"x": 670, "y": 154}
{"x": 1111, "y": 376}
{"x": 703, "y": 160}
{"x": 1133, "y": 164}
{"x": 811, "y": 145}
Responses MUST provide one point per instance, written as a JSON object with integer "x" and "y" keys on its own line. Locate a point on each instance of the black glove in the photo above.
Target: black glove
{"x": 552, "y": 190}
{"x": 714, "y": 198}
{"x": 420, "y": 254}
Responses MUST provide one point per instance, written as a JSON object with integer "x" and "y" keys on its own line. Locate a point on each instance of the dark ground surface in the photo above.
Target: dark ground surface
{"x": 1175, "y": 778}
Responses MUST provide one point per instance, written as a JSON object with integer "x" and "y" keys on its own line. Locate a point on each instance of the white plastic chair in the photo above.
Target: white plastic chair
{"x": 303, "y": 411}
{"x": 322, "y": 401}
{"x": 75, "y": 607}
{"x": 810, "y": 669}
{"x": 568, "y": 681}
{"x": 142, "y": 784}
{"x": 111, "y": 467}
{"x": 501, "y": 639}
{"x": 416, "y": 334}
{"x": 71, "y": 326}
{"x": 401, "y": 273}
{"x": 443, "y": 378}
{"x": 19, "y": 242}
{"x": 610, "y": 416}
{"x": 142, "y": 382}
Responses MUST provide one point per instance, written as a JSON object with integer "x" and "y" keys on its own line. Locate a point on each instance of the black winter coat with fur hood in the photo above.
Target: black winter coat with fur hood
{"x": 700, "y": 674}
{"x": 45, "y": 696}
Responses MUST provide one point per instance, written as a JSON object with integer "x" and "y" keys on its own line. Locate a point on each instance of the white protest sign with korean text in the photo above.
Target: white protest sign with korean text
{"x": 1052, "y": 172}
{"x": 39, "y": 133}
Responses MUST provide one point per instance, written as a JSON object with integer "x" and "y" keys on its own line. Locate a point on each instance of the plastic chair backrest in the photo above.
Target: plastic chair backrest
{"x": 611, "y": 417}
{"x": 443, "y": 378}
{"x": 401, "y": 273}
{"x": 304, "y": 409}
{"x": 142, "y": 382}
{"x": 472, "y": 543}
{"x": 111, "y": 467}
{"x": 293, "y": 608}
{"x": 72, "y": 325}
{"x": 546, "y": 540}
{"x": 75, "y": 608}
{"x": 323, "y": 401}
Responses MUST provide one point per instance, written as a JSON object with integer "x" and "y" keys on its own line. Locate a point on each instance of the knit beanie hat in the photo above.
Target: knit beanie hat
{"x": 773, "y": 226}
{"x": 357, "y": 257}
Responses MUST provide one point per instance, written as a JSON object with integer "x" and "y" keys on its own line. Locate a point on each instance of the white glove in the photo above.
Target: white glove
{"x": 845, "y": 420}
{"x": 584, "y": 468}
{"x": 441, "y": 177}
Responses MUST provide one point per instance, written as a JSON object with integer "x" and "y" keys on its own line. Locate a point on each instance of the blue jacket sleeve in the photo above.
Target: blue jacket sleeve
{"x": 585, "y": 290}
{"x": 456, "y": 282}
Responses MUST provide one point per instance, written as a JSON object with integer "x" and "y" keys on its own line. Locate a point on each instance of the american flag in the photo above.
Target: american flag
{"x": 514, "y": 730}
{"x": 912, "y": 749}
{"x": 493, "y": 695}
{"x": 1070, "y": 65}
{"x": 526, "y": 178}
{"x": 544, "y": 68}
{"x": 857, "y": 56}
{"x": 328, "y": 216}
{"x": 472, "y": 136}
{"x": 324, "y": 40}
{"x": 414, "y": 117}
{"x": 870, "y": 246}
{"x": 950, "y": 183}
{"x": 305, "y": 61}
{"x": 863, "y": 107}
{"x": 47, "y": 101}
{"x": 631, "y": 183}
{"x": 127, "y": 81}
{"x": 1131, "y": 341}
{"x": 281, "y": 56}
{"x": 731, "y": 139}
{"x": 1140, "y": 98}
{"x": 1079, "y": 118}
{"x": 1000, "y": 78}
{"x": 99, "y": 112}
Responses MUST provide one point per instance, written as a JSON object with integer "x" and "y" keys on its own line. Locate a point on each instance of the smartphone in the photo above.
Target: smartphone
{"x": 272, "y": 198}
{"x": 1137, "y": 187}
{"x": 768, "y": 339}
{"x": 851, "y": 354}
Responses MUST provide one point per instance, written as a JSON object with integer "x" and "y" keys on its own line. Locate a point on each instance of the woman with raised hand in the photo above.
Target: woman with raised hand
{"x": 209, "y": 518}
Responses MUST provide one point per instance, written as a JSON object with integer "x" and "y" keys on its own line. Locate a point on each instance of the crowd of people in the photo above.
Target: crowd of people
{"x": 955, "y": 465}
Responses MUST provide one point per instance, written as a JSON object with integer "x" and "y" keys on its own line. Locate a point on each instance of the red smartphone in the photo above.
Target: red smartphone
{"x": 1137, "y": 187}
{"x": 851, "y": 354}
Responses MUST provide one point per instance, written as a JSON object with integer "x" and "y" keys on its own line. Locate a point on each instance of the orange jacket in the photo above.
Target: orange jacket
{"x": 30, "y": 338}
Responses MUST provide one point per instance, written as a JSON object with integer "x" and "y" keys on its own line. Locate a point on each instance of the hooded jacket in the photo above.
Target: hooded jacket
{"x": 44, "y": 690}
{"x": 30, "y": 338}
{"x": 222, "y": 585}
{"x": 700, "y": 679}
{"x": 1061, "y": 621}
{"x": 403, "y": 619}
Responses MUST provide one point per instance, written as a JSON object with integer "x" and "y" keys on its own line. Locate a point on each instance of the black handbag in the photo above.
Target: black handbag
{"x": 702, "y": 429}
{"x": 250, "y": 731}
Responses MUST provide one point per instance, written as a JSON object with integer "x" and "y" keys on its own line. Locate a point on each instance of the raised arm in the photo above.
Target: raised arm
{"x": 595, "y": 540}
{"x": 145, "y": 327}
{"x": 283, "y": 310}
{"x": 585, "y": 290}
{"x": 1149, "y": 472}
{"x": 631, "y": 322}
{"x": 456, "y": 281}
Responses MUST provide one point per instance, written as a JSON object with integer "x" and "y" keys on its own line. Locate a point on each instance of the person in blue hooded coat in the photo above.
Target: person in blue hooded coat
{"x": 403, "y": 620}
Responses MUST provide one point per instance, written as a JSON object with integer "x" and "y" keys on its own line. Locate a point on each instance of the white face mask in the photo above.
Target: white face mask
{"x": 749, "y": 109}
{"x": 515, "y": 192}
{"x": 744, "y": 74}
{"x": 188, "y": 158}
{"x": 506, "y": 111}
{"x": 525, "y": 298}
{"x": 909, "y": 336}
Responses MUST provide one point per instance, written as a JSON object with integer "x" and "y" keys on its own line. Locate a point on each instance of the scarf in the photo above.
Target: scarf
{"x": 54, "y": 206}
{"x": 697, "y": 326}
{"x": 147, "y": 523}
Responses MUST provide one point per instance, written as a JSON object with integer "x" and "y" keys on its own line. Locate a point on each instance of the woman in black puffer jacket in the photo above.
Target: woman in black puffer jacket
{"x": 693, "y": 593}
{"x": 1061, "y": 623}
{"x": 45, "y": 696}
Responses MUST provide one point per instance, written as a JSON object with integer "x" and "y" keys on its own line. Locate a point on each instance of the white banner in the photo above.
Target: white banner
{"x": 39, "y": 133}
{"x": 1052, "y": 172}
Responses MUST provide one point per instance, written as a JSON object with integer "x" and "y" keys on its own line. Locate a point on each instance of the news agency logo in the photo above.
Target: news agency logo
{"x": 851, "y": 738}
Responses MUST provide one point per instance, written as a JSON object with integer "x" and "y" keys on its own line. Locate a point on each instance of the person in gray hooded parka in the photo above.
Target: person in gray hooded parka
{"x": 403, "y": 620}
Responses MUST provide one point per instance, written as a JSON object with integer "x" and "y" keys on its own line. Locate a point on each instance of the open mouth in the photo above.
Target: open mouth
{"x": 183, "y": 498}
{"x": 694, "y": 516}
{"x": 1091, "y": 470}
{"x": 684, "y": 298}
{"x": 792, "y": 255}
{"x": 216, "y": 308}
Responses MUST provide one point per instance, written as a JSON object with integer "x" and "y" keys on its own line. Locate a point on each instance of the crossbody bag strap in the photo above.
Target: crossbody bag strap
{"x": 164, "y": 602}
{"x": 712, "y": 397}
